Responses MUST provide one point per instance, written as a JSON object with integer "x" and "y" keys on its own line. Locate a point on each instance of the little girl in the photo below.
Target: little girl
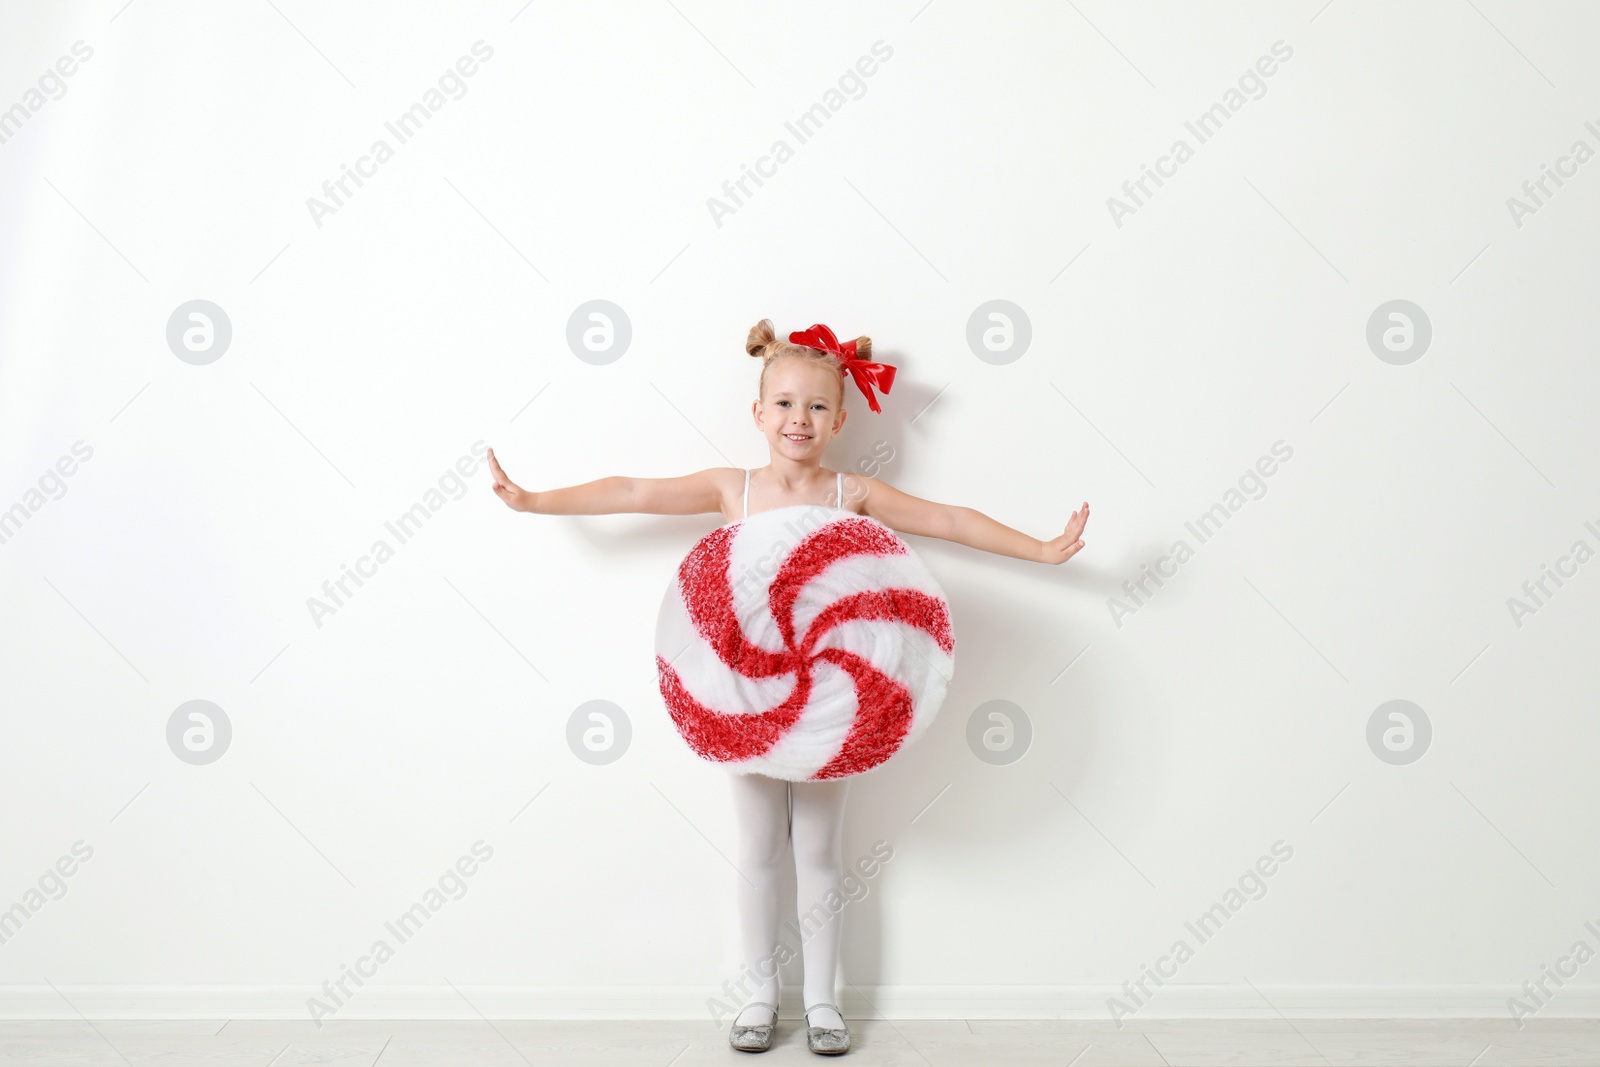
{"x": 799, "y": 409}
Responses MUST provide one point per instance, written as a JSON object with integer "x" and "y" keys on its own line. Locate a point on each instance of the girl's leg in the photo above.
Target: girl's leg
{"x": 761, "y": 812}
{"x": 817, "y": 826}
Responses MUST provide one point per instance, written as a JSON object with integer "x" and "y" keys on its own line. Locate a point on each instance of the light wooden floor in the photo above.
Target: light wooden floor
{"x": 1269, "y": 1043}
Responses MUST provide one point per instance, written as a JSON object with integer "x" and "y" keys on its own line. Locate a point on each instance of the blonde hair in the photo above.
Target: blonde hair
{"x": 763, "y": 343}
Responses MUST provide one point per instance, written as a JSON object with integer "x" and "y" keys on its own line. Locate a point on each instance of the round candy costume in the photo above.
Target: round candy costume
{"x": 803, "y": 643}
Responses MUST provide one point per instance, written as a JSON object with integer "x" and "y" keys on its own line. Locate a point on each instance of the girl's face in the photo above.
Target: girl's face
{"x": 802, "y": 410}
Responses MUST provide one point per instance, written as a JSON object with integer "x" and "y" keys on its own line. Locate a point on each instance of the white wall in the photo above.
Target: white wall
{"x": 1226, "y": 313}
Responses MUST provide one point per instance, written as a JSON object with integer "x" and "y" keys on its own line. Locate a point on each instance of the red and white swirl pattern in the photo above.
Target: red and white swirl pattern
{"x": 803, "y": 643}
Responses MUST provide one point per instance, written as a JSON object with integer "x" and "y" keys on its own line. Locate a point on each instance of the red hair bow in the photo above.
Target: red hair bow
{"x": 866, "y": 374}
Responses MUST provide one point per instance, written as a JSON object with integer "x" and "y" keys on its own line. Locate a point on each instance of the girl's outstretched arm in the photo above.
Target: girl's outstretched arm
{"x": 690, "y": 495}
{"x": 967, "y": 526}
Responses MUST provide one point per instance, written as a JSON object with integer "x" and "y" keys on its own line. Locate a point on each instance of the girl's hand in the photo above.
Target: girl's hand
{"x": 1060, "y": 549}
{"x": 516, "y": 498}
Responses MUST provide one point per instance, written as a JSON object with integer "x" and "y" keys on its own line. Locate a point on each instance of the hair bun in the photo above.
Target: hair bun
{"x": 761, "y": 335}
{"x": 864, "y": 348}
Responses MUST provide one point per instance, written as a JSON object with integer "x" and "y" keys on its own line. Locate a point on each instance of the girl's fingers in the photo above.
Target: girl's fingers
{"x": 499, "y": 476}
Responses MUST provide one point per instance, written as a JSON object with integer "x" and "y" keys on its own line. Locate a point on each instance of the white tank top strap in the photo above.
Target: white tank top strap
{"x": 747, "y": 492}
{"x": 838, "y": 490}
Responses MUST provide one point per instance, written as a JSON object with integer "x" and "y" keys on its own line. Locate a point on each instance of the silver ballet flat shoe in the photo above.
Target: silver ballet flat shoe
{"x": 753, "y": 1038}
{"x": 826, "y": 1041}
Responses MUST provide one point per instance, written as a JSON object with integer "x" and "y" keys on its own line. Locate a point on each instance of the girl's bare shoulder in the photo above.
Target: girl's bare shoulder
{"x": 893, "y": 507}
{"x": 859, "y": 490}
{"x": 730, "y": 489}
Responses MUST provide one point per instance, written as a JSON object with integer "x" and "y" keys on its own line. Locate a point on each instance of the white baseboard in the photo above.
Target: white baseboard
{"x": 1082, "y": 1003}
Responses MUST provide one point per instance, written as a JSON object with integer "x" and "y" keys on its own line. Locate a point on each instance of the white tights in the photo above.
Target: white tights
{"x": 771, "y": 814}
